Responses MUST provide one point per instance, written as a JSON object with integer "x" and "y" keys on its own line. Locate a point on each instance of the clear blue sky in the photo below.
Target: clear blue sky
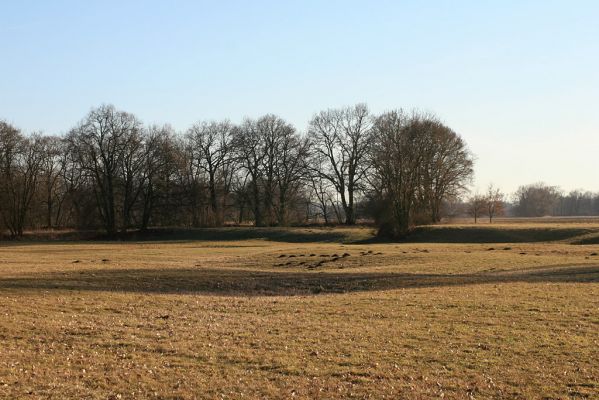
{"x": 519, "y": 80}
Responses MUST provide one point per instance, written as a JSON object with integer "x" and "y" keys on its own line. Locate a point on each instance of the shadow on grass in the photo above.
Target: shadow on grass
{"x": 283, "y": 234}
{"x": 250, "y": 283}
{"x": 275, "y": 234}
{"x": 432, "y": 234}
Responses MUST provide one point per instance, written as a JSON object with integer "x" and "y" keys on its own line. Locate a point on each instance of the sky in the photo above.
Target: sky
{"x": 518, "y": 80}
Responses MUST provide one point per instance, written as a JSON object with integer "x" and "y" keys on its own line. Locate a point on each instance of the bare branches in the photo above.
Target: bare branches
{"x": 112, "y": 171}
{"x": 418, "y": 163}
{"x": 211, "y": 149}
{"x": 107, "y": 144}
{"x": 20, "y": 165}
{"x": 342, "y": 138}
{"x": 495, "y": 202}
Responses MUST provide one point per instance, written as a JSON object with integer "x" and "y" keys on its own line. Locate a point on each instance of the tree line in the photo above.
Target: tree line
{"x": 540, "y": 199}
{"x": 111, "y": 171}
{"x": 532, "y": 201}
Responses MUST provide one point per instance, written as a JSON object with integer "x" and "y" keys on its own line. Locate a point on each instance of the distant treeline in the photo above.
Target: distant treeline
{"x": 113, "y": 172}
{"x": 539, "y": 200}
{"x": 535, "y": 200}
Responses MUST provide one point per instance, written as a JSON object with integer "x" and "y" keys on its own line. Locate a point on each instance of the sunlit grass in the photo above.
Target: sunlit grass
{"x": 263, "y": 319}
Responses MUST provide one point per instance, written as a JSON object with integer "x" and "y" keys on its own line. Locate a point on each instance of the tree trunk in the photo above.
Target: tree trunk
{"x": 350, "y": 215}
{"x": 213, "y": 201}
{"x": 110, "y": 212}
{"x": 147, "y": 208}
{"x": 257, "y": 213}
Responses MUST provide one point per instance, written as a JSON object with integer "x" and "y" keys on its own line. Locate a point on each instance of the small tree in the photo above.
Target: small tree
{"x": 494, "y": 202}
{"x": 477, "y": 206}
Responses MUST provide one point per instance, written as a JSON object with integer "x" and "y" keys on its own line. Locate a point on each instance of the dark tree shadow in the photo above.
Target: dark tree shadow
{"x": 275, "y": 234}
{"x": 245, "y": 282}
{"x": 283, "y": 234}
{"x": 490, "y": 234}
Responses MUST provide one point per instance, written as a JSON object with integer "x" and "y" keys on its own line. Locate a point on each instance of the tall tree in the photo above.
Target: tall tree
{"x": 158, "y": 171}
{"x": 320, "y": 190}
{"x": 291, "y": 166}
{"x": 132, "y": 168}
{"x": 20, "y": 163}
{"x": 212, "y": 148}
{"x": 398, "y": 159}
{"x": 494, "y": 200}
{"x": 448, "y": 165}
{"x": 249, "y": 149}
{"x": 52, "y": 150}
{"x": 342, "y": 137}
{"x": 105, "y": 144}
{"x": 418, "y": 163}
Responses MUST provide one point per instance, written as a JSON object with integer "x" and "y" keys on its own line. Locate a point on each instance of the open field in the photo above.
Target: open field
{"x": 304, "y": 313}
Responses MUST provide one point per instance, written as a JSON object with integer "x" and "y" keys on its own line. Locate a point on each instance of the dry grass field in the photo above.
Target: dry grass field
{"x": 305, "y": 313}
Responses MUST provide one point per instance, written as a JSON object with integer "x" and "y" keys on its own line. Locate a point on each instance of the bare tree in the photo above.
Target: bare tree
{"x": 272, "y": 159}
{"x": 106, "y": 143}
{"x": 397, "y": 159}
{"x": 477, "y": 206}
{"x": 320, "y": 191}
{"x": 418, "y": 163}
{"x": 212, "y": 147}
{"x": 494, "y": 200}
{"x": 20, "y": 164}
{"x": 52, "y": 149}
{"x": 536, "y": 200}
{"x": 76, "y": 183}
{"x": 132, "y": 168}
{"x": 159, "y": 167}
{"x": 291, "y": 157}
{"x": 190, "y": 178}
{"x": 241, "y": 191}
{"x": 271, "y": 131}
{"x": 448, "y": 165}
{"x": 342, "y": 137}
{"x": 249, "y": 148}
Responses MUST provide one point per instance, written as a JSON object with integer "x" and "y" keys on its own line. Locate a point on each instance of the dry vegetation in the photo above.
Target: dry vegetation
{"x": 259, "y": 318}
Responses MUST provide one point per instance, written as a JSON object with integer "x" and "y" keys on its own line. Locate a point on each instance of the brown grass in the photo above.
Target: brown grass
{"x": 263, "y": 319}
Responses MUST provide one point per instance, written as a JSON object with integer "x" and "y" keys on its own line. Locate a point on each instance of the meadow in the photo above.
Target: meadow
{"x": 508, "y": 311}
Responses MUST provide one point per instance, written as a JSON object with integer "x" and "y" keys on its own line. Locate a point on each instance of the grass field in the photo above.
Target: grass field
{"x": 305, "y": 313}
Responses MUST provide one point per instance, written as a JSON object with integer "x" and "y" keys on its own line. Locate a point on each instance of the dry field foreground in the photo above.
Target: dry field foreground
{"x": 272, "y": 319}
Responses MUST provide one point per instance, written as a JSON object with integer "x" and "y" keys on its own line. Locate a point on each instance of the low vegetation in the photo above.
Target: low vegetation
{"x": 291, "y": 315}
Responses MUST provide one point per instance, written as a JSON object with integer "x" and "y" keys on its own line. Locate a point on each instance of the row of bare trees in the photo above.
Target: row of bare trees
{"x": 532, "y": 201}
{"x": 114, "y": 172}
{"x": 540, "y": 199}
{"x": 490, "y": 204}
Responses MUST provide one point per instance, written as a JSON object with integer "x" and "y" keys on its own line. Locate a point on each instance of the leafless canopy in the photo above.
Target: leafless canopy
{"x": 418, "y": 162}
{"x": 114, "y": 172}
{"x": 341, "y": 137}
